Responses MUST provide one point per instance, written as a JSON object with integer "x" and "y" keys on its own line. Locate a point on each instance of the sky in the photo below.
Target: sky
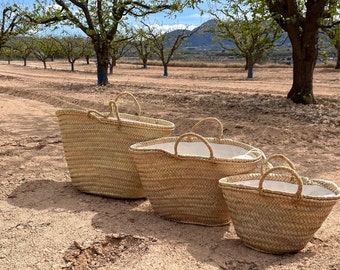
{"x": 188, "y": 19}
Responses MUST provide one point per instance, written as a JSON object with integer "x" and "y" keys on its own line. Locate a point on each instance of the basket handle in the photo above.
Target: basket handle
{"x": 191, "y": 134}
{"x": 95, "y": 114}
{"x": 114, "y": 110}
{"x": 211, "y": 120}
{"x": 267, "y": 165}
{"x": 291, "y": 171}
{"x": 114, "y": 107}
{"x": 257, "y": 152}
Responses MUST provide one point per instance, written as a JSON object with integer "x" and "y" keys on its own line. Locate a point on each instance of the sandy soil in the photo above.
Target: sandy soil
{"x": 48, "y": 224}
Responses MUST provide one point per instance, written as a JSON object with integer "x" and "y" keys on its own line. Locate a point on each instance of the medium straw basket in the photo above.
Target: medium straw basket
{"x": 278, "y": 213}
{"x": 180, "y": 175}
{"x": 96, "y": 147}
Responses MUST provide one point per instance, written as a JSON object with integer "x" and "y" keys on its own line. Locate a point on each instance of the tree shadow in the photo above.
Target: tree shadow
{"x": 45, "y": 194}
{"x": 216, "y": 246}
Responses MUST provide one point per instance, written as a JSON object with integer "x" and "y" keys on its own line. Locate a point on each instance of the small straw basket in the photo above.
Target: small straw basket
{"x": 278, "y": 213}
{"x": 180, "y": 175}
{"x": 96, "y": 147}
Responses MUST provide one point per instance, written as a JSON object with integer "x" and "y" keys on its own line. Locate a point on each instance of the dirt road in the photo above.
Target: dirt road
{"x": 48, "y": 224}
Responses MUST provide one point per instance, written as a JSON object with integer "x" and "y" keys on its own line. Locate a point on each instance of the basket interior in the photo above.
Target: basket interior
{"x": 143, "y": 119}
{"x": 307, "y": 190}
{"x": 125, "y": 118}
{"x": 199, "y": 149}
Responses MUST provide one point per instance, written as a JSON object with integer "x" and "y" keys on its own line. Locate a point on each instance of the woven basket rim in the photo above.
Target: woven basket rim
{"x": 228, "y": 183}
{"x": 125, "y": 119}
{"x": 136, "y": 148}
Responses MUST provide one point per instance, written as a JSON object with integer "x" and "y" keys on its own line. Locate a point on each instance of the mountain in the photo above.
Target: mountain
{"x": 202, "y": 38}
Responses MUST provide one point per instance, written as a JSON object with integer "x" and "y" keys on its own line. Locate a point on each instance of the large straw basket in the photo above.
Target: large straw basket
{"x": 96, "y": 147}
{"x": 278, "y": 213}
{"x": 180, "y": 175}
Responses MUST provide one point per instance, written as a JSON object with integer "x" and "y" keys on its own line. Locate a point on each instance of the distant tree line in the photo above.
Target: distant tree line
{"x": 148, "y": 43}
{"x": 254, "y": 26}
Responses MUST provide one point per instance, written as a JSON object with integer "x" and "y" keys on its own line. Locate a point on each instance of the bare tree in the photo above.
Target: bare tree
{"x": 73, "y": 48}
{"x": 119, "y": 47}
{"x": 89, "y": 51}
{"x": 337, "y": 47}
{"x": 23, "y": 47}
{"x": 302, "y": 19}
{"x": 99, "y": 20}
{"x": 166, "y": 43}
{"x": 331, "y": 26}
{"x": 44, "y": 48}
{"x": 250, "y": 27}
{"x": 8, "y": 53}
{"x": 143, "y": 45}
{"x": 11, "y": 24}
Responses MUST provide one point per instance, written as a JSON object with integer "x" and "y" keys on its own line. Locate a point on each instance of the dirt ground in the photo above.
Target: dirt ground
{"x": 46, "y": 223}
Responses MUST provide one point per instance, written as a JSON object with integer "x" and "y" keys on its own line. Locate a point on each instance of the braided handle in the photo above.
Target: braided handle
{"x": 96, "y": 115}
{"x": 114, "y": 107}
{"x": 191, "y": 134}
{"x": 211, "y": 120}
{"x": 294, "y": 174}
{"x": 267, "y": 165}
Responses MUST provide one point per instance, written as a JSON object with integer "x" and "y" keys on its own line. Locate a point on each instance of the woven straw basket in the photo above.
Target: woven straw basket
{"x": 180, "y": 175}
{"x": 278, "y": 213}
{"x": 96, "y": 147}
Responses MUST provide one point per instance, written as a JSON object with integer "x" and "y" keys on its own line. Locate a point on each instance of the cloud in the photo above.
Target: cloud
{"x": 168, "y": 28}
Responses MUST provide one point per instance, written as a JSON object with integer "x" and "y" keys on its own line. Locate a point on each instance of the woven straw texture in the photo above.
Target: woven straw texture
{"x": 267, "y": 163}
{"x": 184, "y": 187}
{"x": 96, "y": 147}
{"x": 273, "y": 221}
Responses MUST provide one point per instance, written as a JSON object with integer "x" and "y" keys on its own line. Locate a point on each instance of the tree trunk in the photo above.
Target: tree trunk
{"x": 250, "y": 72}
{"x": 102, "y": 74}
{"x": 145, "y": 65}
{"x": 337, "y": 46}
{"x": 305, "y": 54}
{"x": 303, "y": 31}
{"x": 72, "y": 66}
{"x": 302, "y": 88}
{"x": 250, "y": 65}
{"x": 112, "y": 64}
{"x": 114, "y": 61}
{"x": 165, "y": 74}
{"x": 102, "y": 65}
